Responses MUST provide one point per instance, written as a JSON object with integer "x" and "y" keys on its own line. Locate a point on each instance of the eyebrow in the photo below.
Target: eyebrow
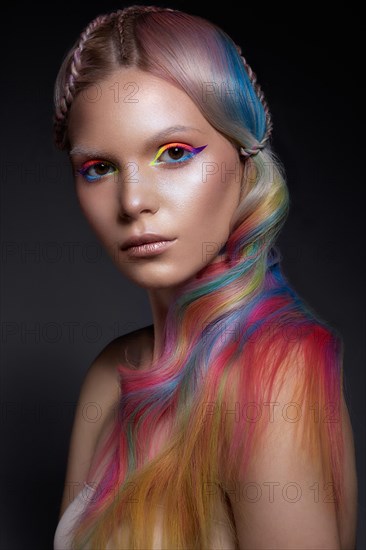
{"x": 80, "y": 150}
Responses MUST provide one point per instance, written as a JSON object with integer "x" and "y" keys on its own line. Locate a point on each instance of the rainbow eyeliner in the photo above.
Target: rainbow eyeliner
{"x": 89, "y": 164}
{"x": 191, "y": 152}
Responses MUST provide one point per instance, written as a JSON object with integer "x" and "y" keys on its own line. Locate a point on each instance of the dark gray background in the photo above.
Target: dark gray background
{"x": 62, "y": 298}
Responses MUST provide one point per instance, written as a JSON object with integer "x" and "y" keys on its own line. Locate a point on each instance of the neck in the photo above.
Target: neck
{"x": 160, "y": 300}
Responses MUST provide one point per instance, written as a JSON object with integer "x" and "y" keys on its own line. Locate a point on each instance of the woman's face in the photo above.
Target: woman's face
{"x": 149, "y": 162}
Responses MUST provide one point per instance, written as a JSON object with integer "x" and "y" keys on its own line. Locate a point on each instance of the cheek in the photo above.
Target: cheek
{"x": 203, "y": 188}
{"x": 214, "y": 201}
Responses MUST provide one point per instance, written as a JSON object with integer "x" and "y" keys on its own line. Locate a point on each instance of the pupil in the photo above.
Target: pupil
{"x": 100, "y": 167}
{"x": 176, "y": 152}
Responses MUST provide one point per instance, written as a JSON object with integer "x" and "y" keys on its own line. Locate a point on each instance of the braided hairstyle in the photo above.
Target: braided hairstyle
{"x": 269, "y": 124}
{"x": 73, "y": 75}
{"x": 68, "y": 81}
{"x": 245, "y": 290}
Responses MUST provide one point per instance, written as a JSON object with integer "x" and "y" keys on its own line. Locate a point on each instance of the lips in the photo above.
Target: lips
{"x": 143, "y": 239}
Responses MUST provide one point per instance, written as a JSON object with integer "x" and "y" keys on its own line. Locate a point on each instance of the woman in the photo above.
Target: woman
{"x": 224, "y": 423}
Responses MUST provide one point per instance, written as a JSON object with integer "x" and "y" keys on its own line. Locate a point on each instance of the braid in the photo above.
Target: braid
{"x": 123, "y": 19}
{"x": 269, "y": 124}
{"x": 122, "y": 16}
{"x": 63, "y": 105}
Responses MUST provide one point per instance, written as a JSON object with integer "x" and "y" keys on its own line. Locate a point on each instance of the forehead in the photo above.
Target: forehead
{"x": 131, "y": 101}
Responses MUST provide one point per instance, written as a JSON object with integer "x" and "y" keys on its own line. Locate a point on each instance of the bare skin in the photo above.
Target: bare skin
{"x": 195, "y": 208}
{"x": 101, "y": 386}
{"x": 192, "y": 201}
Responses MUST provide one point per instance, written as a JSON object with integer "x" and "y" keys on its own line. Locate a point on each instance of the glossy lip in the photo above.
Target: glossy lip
{"x": 149, "y": 249}
{"x": 137, "y": 240}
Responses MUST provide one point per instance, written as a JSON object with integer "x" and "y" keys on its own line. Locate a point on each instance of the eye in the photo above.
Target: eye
{"x": 94, "y": 170}
{"x": 174, "y": 153}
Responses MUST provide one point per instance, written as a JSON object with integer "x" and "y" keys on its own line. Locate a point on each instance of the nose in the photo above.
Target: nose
{"x": 136, "y": 193}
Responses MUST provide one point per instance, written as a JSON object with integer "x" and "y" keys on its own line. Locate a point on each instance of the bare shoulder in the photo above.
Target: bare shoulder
{"x": 99, "y": 394}
{"x": 101, "y": 379}
{"x": 100, "y": 389}
{"x": 285, "y": 496}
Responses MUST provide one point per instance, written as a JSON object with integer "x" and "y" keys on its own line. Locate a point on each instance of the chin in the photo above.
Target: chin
{"x": 161, "y": 281}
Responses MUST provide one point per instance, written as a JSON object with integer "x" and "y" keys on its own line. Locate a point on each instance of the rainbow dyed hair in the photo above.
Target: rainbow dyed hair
{"x": 232, "y": 334}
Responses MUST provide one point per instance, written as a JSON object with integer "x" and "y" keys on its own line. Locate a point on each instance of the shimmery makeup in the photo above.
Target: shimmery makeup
{"x": 191, "y": 152}
{"x": 90, "y": 163}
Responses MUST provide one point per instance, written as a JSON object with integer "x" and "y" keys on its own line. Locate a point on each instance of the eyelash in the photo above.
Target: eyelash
{"x": 92, "y": 164}
{"x": 192, "y": 152}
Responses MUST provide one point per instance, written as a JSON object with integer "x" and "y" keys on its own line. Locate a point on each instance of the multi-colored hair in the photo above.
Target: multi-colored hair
{"x": 233, "y": 334}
